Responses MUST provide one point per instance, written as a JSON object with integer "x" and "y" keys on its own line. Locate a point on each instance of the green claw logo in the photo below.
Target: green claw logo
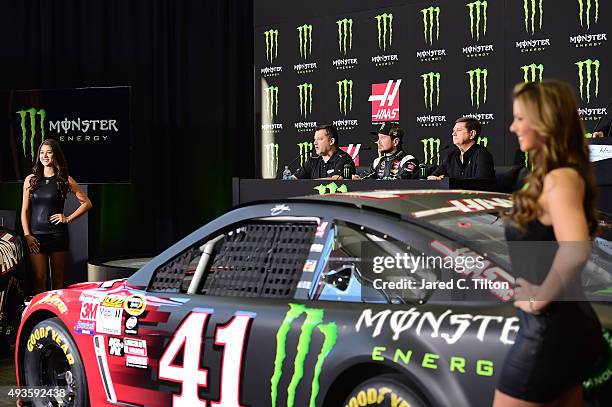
{"x": 345, "y": 31}
{"x": 384, "y": 23}
{"x": 529, "y": 11}
{"x": 305, "y": 40}
{"x": 475, "y": 8}
{"x": 431, "y": 18}
{"x": 431, "y": 85}
{"x": 332, "y": 188}
{"x": 345, "y": 95}
{"x": 313, "y": 320}
{"x": 478, "y": 81}
{"x": 272, "y": 101}
{"x": 533, "y": 72}
{"x": 305, "y": 151}
{"x": 586, "y": 14}
{"x": 271, "y": 44}
{"x": 592, "y": 69}
{"x": 431, "y": 150}
{"x": 31, "y": 129}
{"x": 305, "y": 98}
{"x": 271, "y": 150}
{"x": 483, "y": 141}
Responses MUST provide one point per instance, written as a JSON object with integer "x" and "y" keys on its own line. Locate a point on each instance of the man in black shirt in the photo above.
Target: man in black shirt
{"x": 331, "y": 162}
{"x": 469, "y": 160}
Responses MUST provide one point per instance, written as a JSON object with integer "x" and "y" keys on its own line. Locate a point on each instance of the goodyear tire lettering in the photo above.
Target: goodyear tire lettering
{"x": 43, "y": 333}
{"x": 373, "y": 396}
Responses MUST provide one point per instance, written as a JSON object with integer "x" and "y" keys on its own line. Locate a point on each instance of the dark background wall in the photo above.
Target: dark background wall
{"x": 189, "y": 63}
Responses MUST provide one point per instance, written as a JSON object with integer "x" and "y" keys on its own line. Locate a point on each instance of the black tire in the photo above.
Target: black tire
{"x": 47, "y": 363}
{"x": 379, "y": 391}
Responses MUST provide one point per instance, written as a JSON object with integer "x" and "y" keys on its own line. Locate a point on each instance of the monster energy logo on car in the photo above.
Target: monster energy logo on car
{"x": 313, "y": 320}
{"x": 431, "y": 149}
{"x": 332, "y": 187}
{"x": 272, "y": 101}
{"x": 345, "y": 95}
{"x": 431, "y": 85}
{"x": 305, "y": 98}
{"x": 529, "y": 9}
{"x": 271, "y": 44}
{"x": 429, "y": 14}
{"x": 385, "y": 24}
{"x": 475, "y": 9}
{"x": 533, "y": 72}
{"x": 587, "y": 14}
{"x": 478, "y": 80}
{"x": 31, "y": 130}
{"x": 272, "y": 157}
{"x": 592, "y": 69}
{"x": 305, "y": 151}
{"x": 345, "y": 31}
{"x": 305, "y": 40}
{"x": 483, "y": 141}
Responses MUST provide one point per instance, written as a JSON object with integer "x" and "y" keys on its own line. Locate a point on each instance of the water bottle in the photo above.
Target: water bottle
{"x": 287, "y": 173}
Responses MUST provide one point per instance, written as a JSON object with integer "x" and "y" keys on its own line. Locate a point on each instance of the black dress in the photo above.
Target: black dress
{"x": 45, "y": 201}
{"x": 557, "y": 349}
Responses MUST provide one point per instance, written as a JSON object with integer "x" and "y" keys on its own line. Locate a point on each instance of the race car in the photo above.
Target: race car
{"x": 278, "y": 304}
{"x": 11, "y": 294}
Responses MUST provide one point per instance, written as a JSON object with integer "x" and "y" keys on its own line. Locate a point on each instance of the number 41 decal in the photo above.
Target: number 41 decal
{"x": 189, "y": 336}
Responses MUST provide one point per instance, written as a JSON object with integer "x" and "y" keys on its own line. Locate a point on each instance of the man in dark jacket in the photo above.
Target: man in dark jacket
{"x": 469, "y": 160}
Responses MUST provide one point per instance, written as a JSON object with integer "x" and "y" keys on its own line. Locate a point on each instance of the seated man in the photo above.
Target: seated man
{"x": 330, "y": 162}
{"x": 394, "y": 163}
{"x": 469, "y": 160}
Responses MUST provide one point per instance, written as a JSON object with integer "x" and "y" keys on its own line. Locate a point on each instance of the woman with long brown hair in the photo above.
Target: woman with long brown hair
{"x": 549, "y": 230}
{"x": 42, "y": 214}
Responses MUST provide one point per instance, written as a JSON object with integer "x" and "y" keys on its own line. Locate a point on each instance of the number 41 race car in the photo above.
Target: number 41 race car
{"x": 304, "y": 302}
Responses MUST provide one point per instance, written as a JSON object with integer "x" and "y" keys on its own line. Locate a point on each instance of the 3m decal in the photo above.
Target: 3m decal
{"x": 135, "y": 304}
{"x": 88, "y": 311}
{"x": 48, "y": 332}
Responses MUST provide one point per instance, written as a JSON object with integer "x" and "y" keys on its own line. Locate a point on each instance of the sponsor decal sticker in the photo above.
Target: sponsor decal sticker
{"x": 54, "y": 299}
{"x": 115, "y": 346}
{"x": 310, "y": 265}
{"x": 108, "y": 320}
{"x": 135, "y": 304}
{"x": 131, "y": 326}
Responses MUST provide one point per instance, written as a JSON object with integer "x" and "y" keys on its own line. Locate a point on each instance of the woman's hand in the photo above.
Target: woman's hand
{"x": 525, "y": 294}
{"x": 33, "y": 244}
{"x": 58, "y": 218}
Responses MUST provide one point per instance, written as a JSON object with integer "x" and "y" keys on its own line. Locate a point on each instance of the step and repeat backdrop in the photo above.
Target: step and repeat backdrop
{"x": 422, "y": 65}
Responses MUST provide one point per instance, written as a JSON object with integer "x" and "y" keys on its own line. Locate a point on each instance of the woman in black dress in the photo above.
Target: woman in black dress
{"x": 549, "y": 231}
{"x": 42, "y": 214}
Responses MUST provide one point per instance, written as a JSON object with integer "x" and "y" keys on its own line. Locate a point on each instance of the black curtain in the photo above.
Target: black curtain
{"x": 190, "y": 66}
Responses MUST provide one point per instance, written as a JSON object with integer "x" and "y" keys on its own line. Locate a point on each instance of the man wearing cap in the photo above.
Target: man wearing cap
{"x": 394, "y": 163}
{"x": 330, "y": 162}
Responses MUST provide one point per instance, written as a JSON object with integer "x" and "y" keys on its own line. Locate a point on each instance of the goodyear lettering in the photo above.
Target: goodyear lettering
{"x": 56, "y": 301}
{"x": 43, "y": 332}
{"x": 375, "y": 396}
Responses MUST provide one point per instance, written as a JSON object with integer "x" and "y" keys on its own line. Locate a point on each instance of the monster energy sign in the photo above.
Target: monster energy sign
{"x": 431, "y": 85}
{"x": 475, "y": 8}
{"x": 272, "y": 101}
{"x": 305, "y": 40}
{"x": 28, "y": 128}
{"x": 271, "y": 158}
{"x": 305, "y": 90}
{"x": 384, "y": 24}
{"x": 591, "y": 68}
{"x": 431, "y": 150}
{"x": 478, "y": 81}
{"x": 332, "y": 187}
{"x": 271, "y": 44}
{"x": 313, "y": 322}
{"x": 431, "y": 18}
{"x": 345, "y": 33}
{"x": 530, "y": 9}
{"x": 345, "y": 95}
{"x": 533, "y": 72}
{"x": 305, "y": 151}
{"x": 585, "y": 12}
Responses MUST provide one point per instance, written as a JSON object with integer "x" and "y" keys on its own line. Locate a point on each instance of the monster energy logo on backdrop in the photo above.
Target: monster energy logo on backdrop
{"x": 529, "y": 9}
{"x": 591, "y": 67}
{"x": 345, "y": 32}
{"x": 431, "y": 85}
{"x": 332, "y": 187}
{"x": 431, "y": 17}
{"x": 431, "y": 150}
{"x": 305, "y": 40}
{"x": 345, "y": 95}
{"x": 305, "y": 151}
{"x": 272, "y": 100}
{"x": 271, "y": 157}
{"x": 313, "y": 320}
{"x": 475, "y": 9}
{"x": 31, "y": 129}
{"x": 533, "y": 72}
{"x": 478, "y": 81}
{"x": 271, "y": 44}
{"x": 385, "y": 24}
{"x": 587, "y": 13}
{"x": 305, "y": 98}
{"x": 483, "y": 141}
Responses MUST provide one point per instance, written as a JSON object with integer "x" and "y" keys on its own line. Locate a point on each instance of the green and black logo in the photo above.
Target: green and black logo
{"x": 271, "y": 44}
{"x": 585, "y": 7}
{"x": 591, "y": 68}
{"x": 431, "y": 20}
{"x": 272, "y": 101}
{"x": 531, "y": 9}
{"x": 345, "y": 34}
{"x": 431, "y": 150}
{"x": 345, "y": 95}
{"x": 313, "y": 321}
{"x": 533, "y": 72}
{"x": 305, "y": 98}
{"x": 478, "y": 83}
{"x": 478, "y": 18}
{"x": 431, "y": 88}
{"x": 332, "y": 187}
{"x": 28, "y": 123}
{"x": 305, "y": 40}
{"x": 271, "y": 150}
{"x": 306, "y": 149}
{"x": 385, "y": 26}
{"x": 483, "y": 141}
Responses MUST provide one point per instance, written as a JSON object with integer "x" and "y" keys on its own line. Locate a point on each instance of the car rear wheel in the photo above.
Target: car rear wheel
{"x": 51, "y": 359}
{"x": 384, "y": 391}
